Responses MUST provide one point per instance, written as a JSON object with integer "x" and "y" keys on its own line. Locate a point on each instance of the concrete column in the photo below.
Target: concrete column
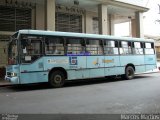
{"x": 133, "y": 27}
{"x": 103, "y": 18}
{"x": 50, "y": 15}
{"x": 139, "y": 24}
{"x": 40, "y": 17}
{"x": 83, "y": 24}
{"x": 111, "y": 24}
{"x": 88, "y": 22}
{"x": 33, "y": 18}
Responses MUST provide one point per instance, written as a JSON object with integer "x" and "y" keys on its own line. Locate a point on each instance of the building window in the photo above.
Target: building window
{"x": 14, "y": 18}
{"x": 95, "y": 25}
{"x": 68, "y": 22}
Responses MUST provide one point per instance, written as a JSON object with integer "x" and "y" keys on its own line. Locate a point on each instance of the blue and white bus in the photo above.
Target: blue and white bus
{"x": 46, "y": 56}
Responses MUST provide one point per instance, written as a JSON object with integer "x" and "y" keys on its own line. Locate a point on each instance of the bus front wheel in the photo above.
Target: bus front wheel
{"x": 129, "y": 73}
{"x": 57, "y": 79}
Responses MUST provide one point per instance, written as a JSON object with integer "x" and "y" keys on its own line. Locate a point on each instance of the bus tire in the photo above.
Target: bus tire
{"x": 129, "y": 73}
{"x": 57, "y": 79}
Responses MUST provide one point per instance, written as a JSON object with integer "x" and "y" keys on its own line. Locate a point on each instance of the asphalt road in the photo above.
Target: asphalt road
{"x": 140, "y": 95}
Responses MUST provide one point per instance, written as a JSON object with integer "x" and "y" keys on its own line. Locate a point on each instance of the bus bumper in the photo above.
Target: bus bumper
{"x": 13, "y": 80}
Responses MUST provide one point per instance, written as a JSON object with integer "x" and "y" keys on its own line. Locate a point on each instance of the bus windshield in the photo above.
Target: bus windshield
{"x": 12, "y": 51}
{"x": 31, "y": 48}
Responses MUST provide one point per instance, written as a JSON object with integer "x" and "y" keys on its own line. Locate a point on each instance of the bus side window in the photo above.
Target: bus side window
{"x": 125, "y": 48}
{"x": 75, "y": 46}
{"x": 111, "y": 47}
{"x": 94, "y": 47}
{"x": 138, "y": 48}
{"x": 54, "y": 46}
{"x": 149, "y": 48}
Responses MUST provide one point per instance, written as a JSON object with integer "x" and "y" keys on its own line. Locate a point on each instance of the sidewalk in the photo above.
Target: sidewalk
{"x": 4, "y": 83}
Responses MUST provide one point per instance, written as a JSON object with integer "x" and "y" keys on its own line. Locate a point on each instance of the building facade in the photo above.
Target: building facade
{"x": 83, "y": 16}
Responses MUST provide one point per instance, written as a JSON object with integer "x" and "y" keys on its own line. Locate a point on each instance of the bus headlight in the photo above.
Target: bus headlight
{"x": 13, "y": 74}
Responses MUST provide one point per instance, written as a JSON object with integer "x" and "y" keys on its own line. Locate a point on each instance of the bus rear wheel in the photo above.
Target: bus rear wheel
{"x": 129, "y": 73}
{"x": 57, "y": 79}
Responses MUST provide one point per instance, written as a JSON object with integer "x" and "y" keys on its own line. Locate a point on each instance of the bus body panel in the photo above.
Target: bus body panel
{"x": 150, "y": 61}
{"x": 33, "y": 77}
{"x": 112, "y": 65}
{"x": 77, "y": 67}
{"x": 34, "y": 72}
{"x": 136, "y": 60}
{"x": 51, "y": 62}
{"x": 95, "y": 65}
{"x": 82, "y": 71}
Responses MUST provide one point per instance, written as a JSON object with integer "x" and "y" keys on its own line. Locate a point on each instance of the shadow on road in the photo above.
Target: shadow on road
{"x": 73, "y": 83}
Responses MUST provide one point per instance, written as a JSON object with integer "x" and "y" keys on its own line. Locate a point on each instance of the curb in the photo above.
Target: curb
{"x": 5, "y": 85}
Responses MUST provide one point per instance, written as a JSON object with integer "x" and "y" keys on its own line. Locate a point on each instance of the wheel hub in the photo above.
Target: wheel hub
{"x": 58, "y": 79}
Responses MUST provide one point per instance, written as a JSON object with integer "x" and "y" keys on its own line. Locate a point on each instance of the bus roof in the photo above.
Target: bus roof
{"x": 84, "y": 35}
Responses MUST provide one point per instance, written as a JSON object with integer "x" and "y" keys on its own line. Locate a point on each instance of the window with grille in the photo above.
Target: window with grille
{"x": 4, "y": 37}
{"x": 68, "y": 22}
{"x": 95, "y": 25}
{"x": 13, "y": 18}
